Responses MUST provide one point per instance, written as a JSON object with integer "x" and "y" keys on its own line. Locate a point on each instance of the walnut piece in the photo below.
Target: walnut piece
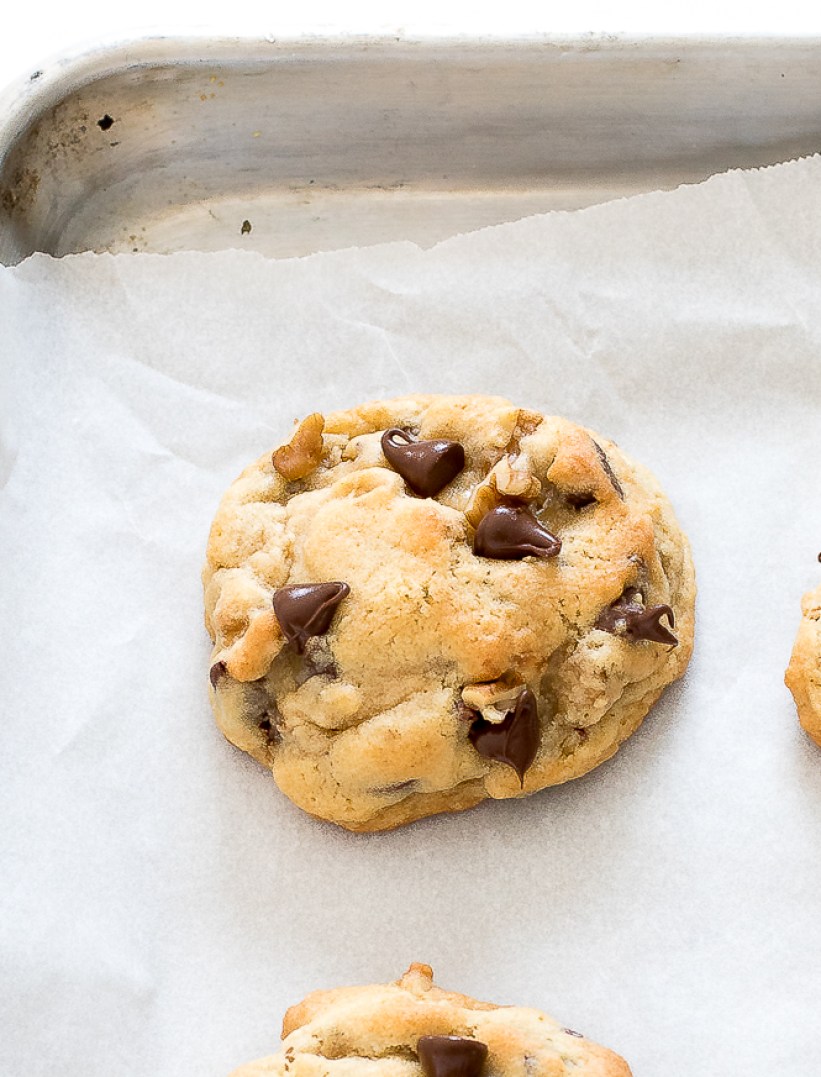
{"x": 303, "y": 452}
{"x": 513, "y": 477}
{"x": 483, "y": 499}
{"x": 250, "y": 657}
{"x": 494, "y": 698}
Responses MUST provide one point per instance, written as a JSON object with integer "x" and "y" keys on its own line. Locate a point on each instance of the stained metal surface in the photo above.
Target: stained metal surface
{"x": 292, "y": 147}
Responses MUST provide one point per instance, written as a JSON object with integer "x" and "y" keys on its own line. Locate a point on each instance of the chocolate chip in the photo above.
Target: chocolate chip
{"x": 426, "y": 466}
{"x": 580, "y": 501}
{"x": 106, "y": 123}
{"x": 511, "y": 532}
{"x": 648, "y": 626}
{"x": 570, "y": 1032}
{"x": 218, "y": 670}
{"x": 636, "y": 621}
{"x": 515, "y": 740}
{"x": 608, "y": 470}
{"x": 451, "y": 1056}
{"x": 307, "y": 609}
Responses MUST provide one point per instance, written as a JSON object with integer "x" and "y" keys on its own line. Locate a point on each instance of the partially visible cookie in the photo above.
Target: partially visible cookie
{"x": 413, "y": 1029}
{"x": 803, "y": 676}
{"x": 424, "y": 602}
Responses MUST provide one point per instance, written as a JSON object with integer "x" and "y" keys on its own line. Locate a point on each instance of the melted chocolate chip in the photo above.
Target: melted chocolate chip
{"x": 515, "y": 740}
{"x": 608, "y": 470}
{"x": 511, "y": 532}
{"x": 307, "y": 609}
{"x": 636, "y": 621}
{"x": 580, "y": 501}
{"x": 647, "y": 625}
{"x": 426, "y": 466}
{"x": 451, "y": 1056}
{"x": 218, "y": 671}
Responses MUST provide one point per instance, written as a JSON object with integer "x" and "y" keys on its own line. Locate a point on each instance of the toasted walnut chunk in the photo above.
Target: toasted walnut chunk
{"x": 494, "y": 698}
{"x": 514, "y": 478}
{"x": 303, "y": 453}
{"x": 511, "y": 477}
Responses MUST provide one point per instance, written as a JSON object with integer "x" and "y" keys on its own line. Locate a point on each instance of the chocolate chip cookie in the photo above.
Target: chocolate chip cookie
{"x": 425, "y": 602}
{"x": 803, "y": 676}
{"x": 413, "y": 1029}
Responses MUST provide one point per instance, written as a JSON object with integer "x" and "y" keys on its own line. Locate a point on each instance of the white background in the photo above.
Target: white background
{"x": 31, "y": 34}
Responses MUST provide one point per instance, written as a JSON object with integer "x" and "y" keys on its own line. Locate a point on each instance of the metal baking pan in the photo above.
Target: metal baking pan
{"x": 294, "y": 146}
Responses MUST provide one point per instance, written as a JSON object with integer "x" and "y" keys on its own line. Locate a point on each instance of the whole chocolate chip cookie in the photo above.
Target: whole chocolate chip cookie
{"x": 428, "y": 601}
{"x": 413, "y": 1029}
{"x": 803, "y": 677}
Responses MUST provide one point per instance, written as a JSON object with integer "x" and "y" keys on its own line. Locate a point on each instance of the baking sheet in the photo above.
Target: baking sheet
{"x": 162, "y": 903}
{"x": 172, "y": 143}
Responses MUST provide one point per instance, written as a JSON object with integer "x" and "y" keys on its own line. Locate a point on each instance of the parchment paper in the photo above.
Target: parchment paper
{"x": 162, "y": 902}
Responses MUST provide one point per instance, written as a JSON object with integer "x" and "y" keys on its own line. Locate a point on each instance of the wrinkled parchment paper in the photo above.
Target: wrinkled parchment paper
{"x": 162, "y": 903}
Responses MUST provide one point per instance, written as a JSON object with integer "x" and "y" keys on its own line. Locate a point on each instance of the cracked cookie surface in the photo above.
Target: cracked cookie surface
{"x": 392, "y": 647}
{"x": 361, "y": 1031}
{"x": 803, "y": 677}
